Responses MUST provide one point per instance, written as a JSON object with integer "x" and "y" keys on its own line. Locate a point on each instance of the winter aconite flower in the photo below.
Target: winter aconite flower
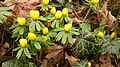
{"x": 58, "y": 14}
{"x": 100, "y": 34}
{"x": 34, "y": 14}
{"x": 65, "y": 11}
{"x": 44, "y": 38}
{"x": 53, "y": 10}
{"x": 21, "y": 21}
{"x": 45, "y": 30}
{"x": 45, "y": 2}
{"x": 113, "y": 35}
{"x": 23, "y": 42}
{"x": 89, "y": 64}
{"x": 31, "y": 36}
{"x": 95, "y": 1}
{"x": 67, "y": 27}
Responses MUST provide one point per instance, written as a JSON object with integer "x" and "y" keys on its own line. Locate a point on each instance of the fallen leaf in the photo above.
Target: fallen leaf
{"x": 71, "y": 59}
{"x": 21, "y": 8}
{"x": 104, "y": 13}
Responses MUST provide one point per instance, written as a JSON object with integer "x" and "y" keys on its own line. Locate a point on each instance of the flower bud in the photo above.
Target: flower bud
{"x": 45, "y": 2}
{"x": 58, "y": 14}
{"x": 53, "y": 10}
{"x": 67, "y": 27}
{"x": 34, "y": 14}
{"x": 95, "y": 1}
{"x": 113, "y": 35}
{"x": 100, "y": 35}
{"x": 23, "y": 42}
{"x": 31, "y": 36}
{"x": 45, "y": 30}
{"x": 65, "y": 11}
{"x": 21, "y": 21}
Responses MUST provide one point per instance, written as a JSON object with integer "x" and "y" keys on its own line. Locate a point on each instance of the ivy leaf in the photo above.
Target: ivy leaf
{"x": 61, "y": 1}
{"x": 85, "y": 26}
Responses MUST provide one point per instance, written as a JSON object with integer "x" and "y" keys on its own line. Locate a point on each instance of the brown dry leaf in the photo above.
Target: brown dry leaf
{"x": 58, "y": 57}
{"x": 21, "y": 8}
{"x": 103, "y": 13}
{"x": 3, "y": 51}
{"x": 71, "y": 59}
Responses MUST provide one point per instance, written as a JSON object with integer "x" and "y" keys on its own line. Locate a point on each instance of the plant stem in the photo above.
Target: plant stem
{"x": 87, "y": 14}
{"x": 40, "y": 54}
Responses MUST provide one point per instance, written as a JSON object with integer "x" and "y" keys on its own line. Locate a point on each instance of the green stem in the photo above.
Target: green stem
{"x": 87, "y": 14}
{"x": 40, "y": 54}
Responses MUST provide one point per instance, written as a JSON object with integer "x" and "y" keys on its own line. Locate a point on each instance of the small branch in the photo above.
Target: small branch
{"x": 76, "y": 13}
{"x": 2, "y": 38}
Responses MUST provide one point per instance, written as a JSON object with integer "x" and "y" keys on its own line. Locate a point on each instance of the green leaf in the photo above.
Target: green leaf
{"x": 75, "y": 33}
{"x": 6, "y": 13}
{"x": 85, "y": 26}
{"x": 2, "y": 17}
{"x": 37, "y": 45}
{"x": 41, "y": 24}
{"x": 18, "y": 63}
{"x": 16, "y": 30}
{"x": 38, "y": 27}
{"x": 1, "y": 21}
{"x": 61, "y": 1}
{"x": 27, "y": 53}
{"x": 19, "y": 53}
{"x": 17, "y": 48}
{"x": 52, "y": 34}
{"x": 59, "y": 29}
{"x": 14, "y": 25}
{"x": 21, "y": 30}
{"x": 64, "y": 39}
{"x": 59, "y": 36}
{"x": 42, "y": 18}
{"x": 53, "y": 24}
{"x": 32, "y": 25}
{"x": 69, "y": 38}
{"x": 4, "y": 8}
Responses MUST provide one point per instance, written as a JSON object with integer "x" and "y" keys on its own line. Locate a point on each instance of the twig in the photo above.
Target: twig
{"x": 2, "y": 38}
{"x": 76, "y": 13}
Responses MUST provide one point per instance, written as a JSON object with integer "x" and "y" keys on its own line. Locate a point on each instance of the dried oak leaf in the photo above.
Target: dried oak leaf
{"x": 58, "y": 57}
{"x": 104, "y": 13}
{"x": 21, "y": 8}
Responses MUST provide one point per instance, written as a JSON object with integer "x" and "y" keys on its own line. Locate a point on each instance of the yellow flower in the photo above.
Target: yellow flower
{"x": 21, "y": 21}
{"x": 45, "y": 30}
{"x": 53, "y": 10}
{"x": 58, "y": 14}
{"x": 45, "y": 2}
{"x": 89, "y": 64}
{"x": 23, "y": 42}
{"x": 43, "y": 39}
{"x": 95, "y": 1}
{"x": 113, "y": 35}
{"x": 67, "y": 27}
{"x": 100, "y": 35}
{"x": 65, "y": 11}
{"x": 31, "y": 36}
{"x": 34, "y": 14}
